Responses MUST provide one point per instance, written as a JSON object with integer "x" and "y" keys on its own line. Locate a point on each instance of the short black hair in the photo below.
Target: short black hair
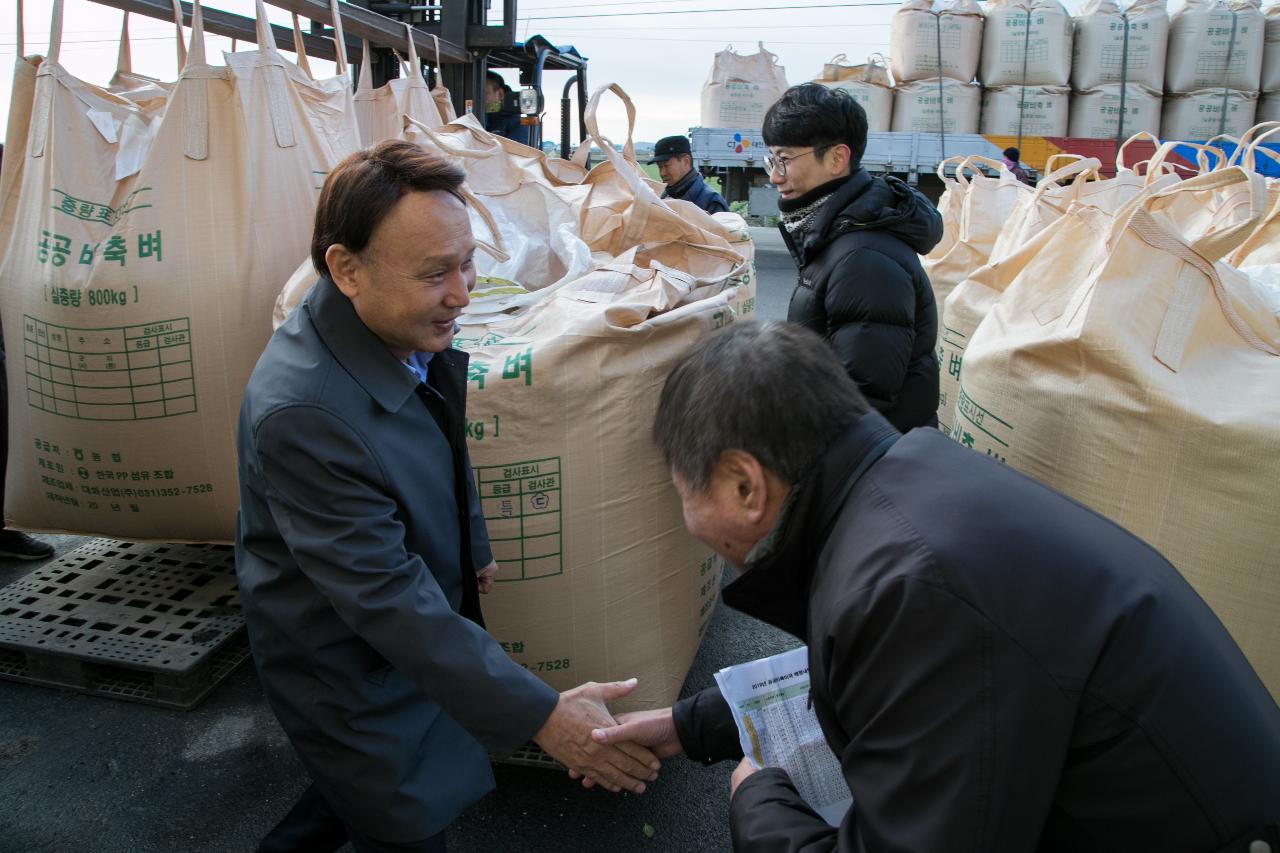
{"x": 1013, "y": 154}
{"x": 775, "y": 390}
{"x": 812, "y": 114}
{"x": 495, "y": 77}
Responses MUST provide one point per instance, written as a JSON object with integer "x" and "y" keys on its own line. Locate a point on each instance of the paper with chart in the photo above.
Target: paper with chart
{"x": 770, "y": 703}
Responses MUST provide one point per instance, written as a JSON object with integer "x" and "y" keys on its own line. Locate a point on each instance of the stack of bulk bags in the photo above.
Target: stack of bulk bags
{"x": 1117, "y": 68}
{"x": 868, "y": 85}
{"x": 940, "y": 104}
{"x": 1078, "y": 212}
{"x": 1135, "y": 372}
{"x": 601, "y": 290}
{"x": 927, "y": 43}
{"x": 1214, "y": 69}
{"x": 137, "y": 282}
{"x": 1269, "y": 102}
{"x": 1026, "y": 67}
{"x": 741, "y": 88}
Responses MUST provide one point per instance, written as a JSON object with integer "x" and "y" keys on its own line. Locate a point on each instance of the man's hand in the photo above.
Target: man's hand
{"x": 566, "y": 737}
{"x": 652, "y": 729}
{"x": 487, "y": 576}
{"x": 744, "y": 769}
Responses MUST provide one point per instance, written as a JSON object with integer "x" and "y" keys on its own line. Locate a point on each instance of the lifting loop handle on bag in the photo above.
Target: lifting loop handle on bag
{"x": 277, "y": 85}
{"x": 593, "y": 128}
{"x": 41, "y": 114}
{"x": 300, "y": 48}
{"x": 195, "y": 126}
{"x": 339, "y": 39}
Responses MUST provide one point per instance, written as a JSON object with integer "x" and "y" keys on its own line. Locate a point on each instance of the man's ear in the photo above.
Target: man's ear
{"x": 749, "y": 482}
{"x": 841, "y": 158}
{"x": 344, "y": 268}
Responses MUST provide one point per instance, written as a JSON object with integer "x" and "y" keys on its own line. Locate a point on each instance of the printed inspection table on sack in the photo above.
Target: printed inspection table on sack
{"x": 119, "y": 373}
{"x": 521, "y": 504}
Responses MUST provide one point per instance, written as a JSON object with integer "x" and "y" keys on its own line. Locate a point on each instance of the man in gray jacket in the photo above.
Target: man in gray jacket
{"x": 360, "y": 547}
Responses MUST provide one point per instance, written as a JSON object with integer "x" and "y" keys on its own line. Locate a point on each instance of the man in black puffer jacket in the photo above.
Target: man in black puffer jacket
{"x": 856, "y": 239}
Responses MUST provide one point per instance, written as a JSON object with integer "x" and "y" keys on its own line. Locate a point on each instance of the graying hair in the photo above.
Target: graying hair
{"x": 774, "y": 390}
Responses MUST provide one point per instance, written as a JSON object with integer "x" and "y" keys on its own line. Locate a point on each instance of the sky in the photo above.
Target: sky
{"x": 659, "y": 51}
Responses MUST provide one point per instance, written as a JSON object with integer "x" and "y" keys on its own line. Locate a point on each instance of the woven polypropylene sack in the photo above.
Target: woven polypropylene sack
{"x": 1026, "y": 43}
{"x": 1121, "y": 381}
{"x": 1114, "y": 45}
{"x": 926, "y": 42}
{"x": 924, "y": 107}
{"x": 1113, "y": 110}
{"x": 974, "y": 211}
{"x": 1208, "y": 113}
{"x": 1025, "y": 111}
{"x": 133, "y": 315}
{"x": 1213, "y": 44}
{"x": 741, "y": 87}
{"x": 868, "y": 85}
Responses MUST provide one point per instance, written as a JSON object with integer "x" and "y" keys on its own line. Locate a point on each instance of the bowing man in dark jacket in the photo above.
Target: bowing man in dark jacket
{"x": 360, "y": 546}
{"x": 856, "y": 240}
{"x": 997, "y": 668}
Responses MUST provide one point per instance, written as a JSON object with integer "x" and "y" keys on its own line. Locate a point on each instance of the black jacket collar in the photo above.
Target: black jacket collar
{"x": 362, "y": 354}
{"x": 775, "y": 586}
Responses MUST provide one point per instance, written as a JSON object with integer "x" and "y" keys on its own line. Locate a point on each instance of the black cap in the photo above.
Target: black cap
{"x": 670, "y": 146}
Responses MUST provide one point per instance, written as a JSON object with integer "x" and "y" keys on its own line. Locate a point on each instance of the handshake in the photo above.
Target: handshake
{"x": 616, "y": 754}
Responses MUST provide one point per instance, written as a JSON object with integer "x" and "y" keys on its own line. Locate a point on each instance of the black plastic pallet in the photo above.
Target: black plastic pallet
{"x": 158, "y": 624}
{"x": 530, "y": 755}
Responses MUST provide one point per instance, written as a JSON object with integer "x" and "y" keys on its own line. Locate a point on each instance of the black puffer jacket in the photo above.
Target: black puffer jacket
{"x": 862, "y": 288}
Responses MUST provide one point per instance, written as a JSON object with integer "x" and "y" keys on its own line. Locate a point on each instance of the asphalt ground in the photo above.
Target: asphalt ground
{"x": 82, "y": 774}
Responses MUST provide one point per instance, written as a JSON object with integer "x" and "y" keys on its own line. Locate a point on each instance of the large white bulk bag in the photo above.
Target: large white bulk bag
{"x": 380, "y": 112}
{"x": 1113, "y": 110}
{"x": 867, "y": 84}
{"x": 925, "y": 107}
{"x": 137, "y": 288}
{"x": 1271, "y": 50}
{"x": 1026, "y": 42}
{"x": 1025, "y": 111}
{"x": 1205, "y": 114}
{"x": 946, "y": 42}
{"x": 1120, "y": 46}
{"x": 1146, "y": 385}
{"x": 1214, "y": 44}
{"x": 741, "y": 88}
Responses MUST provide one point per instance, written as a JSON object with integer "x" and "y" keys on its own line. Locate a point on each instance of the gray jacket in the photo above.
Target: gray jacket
{"x": 348, "y": 551}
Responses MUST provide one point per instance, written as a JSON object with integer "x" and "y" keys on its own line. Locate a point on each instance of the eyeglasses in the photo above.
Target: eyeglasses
{"x": 778, "y": 165}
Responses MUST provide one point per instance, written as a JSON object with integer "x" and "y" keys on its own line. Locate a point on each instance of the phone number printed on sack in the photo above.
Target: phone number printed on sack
{"x": 123, "y": 373}
{"x": 522, "y": 511}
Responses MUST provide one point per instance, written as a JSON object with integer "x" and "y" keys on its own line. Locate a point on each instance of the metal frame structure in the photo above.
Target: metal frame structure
{"x": 468, "y": 43}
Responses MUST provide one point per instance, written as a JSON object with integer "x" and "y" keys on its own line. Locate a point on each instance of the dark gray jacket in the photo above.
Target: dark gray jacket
{"x": 997, "y": 668}
{"x": 862, "y": 288}
{"x": 349, "y": 554}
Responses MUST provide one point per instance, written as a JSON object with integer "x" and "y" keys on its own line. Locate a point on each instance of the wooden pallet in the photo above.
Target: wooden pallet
{"x": 158, "y": 624}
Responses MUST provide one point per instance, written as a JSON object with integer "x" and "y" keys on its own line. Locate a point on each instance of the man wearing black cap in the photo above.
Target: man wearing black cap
{"x": 675, "y": 165}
